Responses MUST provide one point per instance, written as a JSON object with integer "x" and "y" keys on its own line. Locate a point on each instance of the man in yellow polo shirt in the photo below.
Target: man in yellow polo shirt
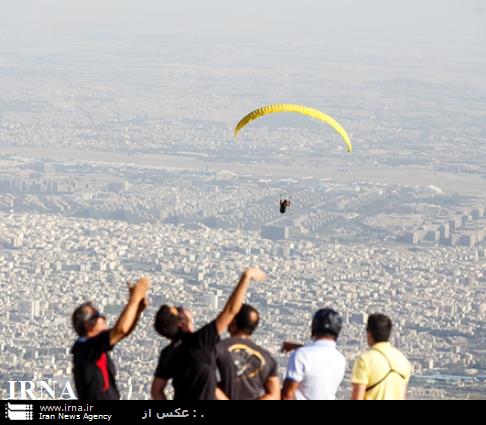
{"x": 383, "y": 372}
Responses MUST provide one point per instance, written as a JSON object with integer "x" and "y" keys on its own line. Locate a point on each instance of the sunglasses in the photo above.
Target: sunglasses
{"x": 95, "y": 316}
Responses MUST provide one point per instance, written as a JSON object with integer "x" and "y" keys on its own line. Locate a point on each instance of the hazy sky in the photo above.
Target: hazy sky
{"x": 347, "y": 20}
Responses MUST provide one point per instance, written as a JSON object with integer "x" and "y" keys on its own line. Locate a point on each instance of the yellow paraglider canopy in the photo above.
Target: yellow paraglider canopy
{"x": 304, "y": 110}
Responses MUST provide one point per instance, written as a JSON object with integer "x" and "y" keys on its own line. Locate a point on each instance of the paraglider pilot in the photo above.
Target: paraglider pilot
{"x": 284, "y": 203}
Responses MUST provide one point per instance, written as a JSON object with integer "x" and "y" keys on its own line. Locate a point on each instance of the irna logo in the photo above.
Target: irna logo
{"x": 40, "y": 390}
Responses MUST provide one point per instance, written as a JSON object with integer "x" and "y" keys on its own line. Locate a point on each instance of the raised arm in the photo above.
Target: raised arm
{"x": 131, "y": 313}
{"x": 235, "y": 301}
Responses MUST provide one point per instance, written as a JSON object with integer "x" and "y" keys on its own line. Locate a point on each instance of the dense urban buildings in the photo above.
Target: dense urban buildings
{"x": 110, "y": 171}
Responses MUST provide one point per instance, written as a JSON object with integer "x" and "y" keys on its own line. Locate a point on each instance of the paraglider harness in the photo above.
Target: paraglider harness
{"x": 392, "y": 370}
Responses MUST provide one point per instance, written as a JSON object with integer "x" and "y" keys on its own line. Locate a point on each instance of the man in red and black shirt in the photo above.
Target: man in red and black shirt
{"x": 93, "y": 369}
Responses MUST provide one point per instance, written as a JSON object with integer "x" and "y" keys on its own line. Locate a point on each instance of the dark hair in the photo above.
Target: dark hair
{"x": 167, "y": 323}
{"x": 379, "y": 326}
{"x": 247, "y": 319}
{"x": 326, "y": 322}
{"x": 79, "y": 318}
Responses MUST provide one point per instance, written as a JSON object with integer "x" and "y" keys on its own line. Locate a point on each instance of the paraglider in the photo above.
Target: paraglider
{"x": 300, "y": 109}
{"x": 284, "y": 203}
{"x": 304, "y": 110}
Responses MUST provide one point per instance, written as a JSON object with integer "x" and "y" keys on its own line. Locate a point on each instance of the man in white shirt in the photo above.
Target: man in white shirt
{"x": 315, "y": 371}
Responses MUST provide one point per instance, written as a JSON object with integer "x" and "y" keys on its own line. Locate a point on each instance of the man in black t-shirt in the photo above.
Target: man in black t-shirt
{"x": 190, "y": 359}
{"x": 93, "y": 370}
{"x": 246, "y": 371}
